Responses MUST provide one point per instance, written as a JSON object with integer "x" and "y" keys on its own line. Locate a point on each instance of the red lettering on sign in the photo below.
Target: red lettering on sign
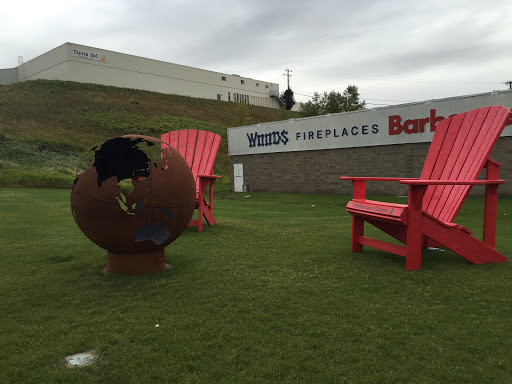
{"x": 434, "y": 120}
{"x": 422, "y": 123}
{"x": 413, "y": 125}
{"x": 394, "y": 125}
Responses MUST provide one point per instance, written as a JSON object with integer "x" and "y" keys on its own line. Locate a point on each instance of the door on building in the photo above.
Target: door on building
{"x": 238, "y": 170}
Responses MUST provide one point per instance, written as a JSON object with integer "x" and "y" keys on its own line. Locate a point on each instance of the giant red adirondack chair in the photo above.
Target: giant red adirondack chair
{"x": 459, "y": 151}
{"x": 199, "y": 148}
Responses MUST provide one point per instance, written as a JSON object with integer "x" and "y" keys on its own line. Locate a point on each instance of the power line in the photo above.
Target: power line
{"x": 301, "y": 93}
{"x": 380, "y": 104}
{"x": 398, "y": 101}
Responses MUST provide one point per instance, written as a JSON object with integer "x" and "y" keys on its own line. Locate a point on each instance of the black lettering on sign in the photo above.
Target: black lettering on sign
{"x": 284, "y": 136}
{"x": 266, "y": 139}
{"x": 275, "y": 138}
{"x": 252, "y": 139}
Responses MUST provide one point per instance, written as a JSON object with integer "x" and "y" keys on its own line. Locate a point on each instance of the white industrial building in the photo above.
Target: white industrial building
{"x": 74, "y": 62}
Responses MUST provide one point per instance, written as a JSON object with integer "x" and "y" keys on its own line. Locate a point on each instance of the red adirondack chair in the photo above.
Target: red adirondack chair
{"x": 459, "y": 151}
{"x": 199, "y": 148}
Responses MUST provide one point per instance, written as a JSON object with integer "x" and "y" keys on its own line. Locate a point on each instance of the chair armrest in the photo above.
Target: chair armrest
{"x": 204, "y": 181}
{"x": 451, "y": 182}
{"x": 376, "y": 178}
{"x": 359, "y": 184}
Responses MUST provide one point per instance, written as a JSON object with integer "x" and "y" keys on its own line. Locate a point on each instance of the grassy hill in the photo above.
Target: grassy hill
{"x": 46, "y": 125}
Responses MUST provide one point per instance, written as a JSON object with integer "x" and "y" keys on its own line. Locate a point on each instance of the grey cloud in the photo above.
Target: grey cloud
{"x": 327, "y": 43}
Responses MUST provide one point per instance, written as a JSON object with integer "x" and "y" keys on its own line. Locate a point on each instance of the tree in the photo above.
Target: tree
{"x": 312, "y": 107}
{"x": 287, "y": 99}
{"x": 352, "y": 103}
{"x": 333, "y": 102}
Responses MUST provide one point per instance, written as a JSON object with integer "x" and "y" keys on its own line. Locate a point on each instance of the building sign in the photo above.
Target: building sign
{"x": 84, "y": 54}
{"x": 399, "y": 124}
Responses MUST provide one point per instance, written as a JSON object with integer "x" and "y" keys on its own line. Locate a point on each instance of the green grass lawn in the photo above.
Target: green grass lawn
{"x": 270, "y": 294}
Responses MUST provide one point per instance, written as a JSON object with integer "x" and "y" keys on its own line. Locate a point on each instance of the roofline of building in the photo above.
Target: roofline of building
{"x": 145, "y": 58}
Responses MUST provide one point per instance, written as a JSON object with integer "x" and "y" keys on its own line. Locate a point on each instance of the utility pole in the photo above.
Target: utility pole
{"x": 509, "y": 84}
{"x": 287, "y": 74}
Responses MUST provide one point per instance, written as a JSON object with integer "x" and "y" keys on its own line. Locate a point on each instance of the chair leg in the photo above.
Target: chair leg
{"x": 413, "y": 258}
{"x": 359, "y": 187}
{"x": 208, "y": 214}
{"x": 357, "y": 231}
{"x": 414, "y": 230}
{"x": 491, "y": 204}
{"x": 200, "y": 210}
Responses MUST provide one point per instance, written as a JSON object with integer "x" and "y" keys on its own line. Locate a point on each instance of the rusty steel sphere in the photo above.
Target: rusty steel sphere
{"x": 134, "y": 200}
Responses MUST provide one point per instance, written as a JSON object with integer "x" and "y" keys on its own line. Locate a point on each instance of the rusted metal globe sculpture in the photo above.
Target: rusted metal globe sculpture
{"x": 133, "y": 200}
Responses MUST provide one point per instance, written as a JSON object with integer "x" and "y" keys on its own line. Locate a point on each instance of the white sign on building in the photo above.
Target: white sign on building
{"x": 90, "y": 55}
{"x": 400, "y": 124}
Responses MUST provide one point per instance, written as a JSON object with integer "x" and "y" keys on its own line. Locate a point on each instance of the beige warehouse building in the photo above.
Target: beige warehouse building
{"x": 74, "y": 62}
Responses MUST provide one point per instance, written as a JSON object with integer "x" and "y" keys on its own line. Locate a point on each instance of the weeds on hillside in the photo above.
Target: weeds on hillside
{"x": 45, "y": 125}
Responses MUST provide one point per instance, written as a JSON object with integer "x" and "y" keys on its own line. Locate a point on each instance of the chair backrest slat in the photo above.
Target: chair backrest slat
{"x": 165, "y": 138}
{"x": 182, "y": 142}
{"x": 206, "y": 154}
{"x": 212, "y": 155}
{"x": 191, "y": 146}
{"x": 201, "y": 139}
{"x": 173, "y": 139}
{"x": 460, "y": 147}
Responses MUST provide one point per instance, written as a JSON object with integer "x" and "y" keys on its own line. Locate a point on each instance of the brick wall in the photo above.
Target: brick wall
{"x": 319, "y": 171}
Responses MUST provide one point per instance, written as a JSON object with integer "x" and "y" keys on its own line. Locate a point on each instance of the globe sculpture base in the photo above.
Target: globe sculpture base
{"x": 136, "y": 263}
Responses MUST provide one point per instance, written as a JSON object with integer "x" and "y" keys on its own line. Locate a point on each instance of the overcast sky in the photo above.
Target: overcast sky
{"x": 393, "y": 51}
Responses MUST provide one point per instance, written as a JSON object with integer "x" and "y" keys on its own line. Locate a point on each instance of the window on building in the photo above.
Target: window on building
{"x": 219, "y": 96}
{"x": 223, "y": 78}
{"x": 266, "y": 85}
{"x": 229, "y": 96}
{"x": 257, "y": 84}
{"x": 242, "y": 81}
